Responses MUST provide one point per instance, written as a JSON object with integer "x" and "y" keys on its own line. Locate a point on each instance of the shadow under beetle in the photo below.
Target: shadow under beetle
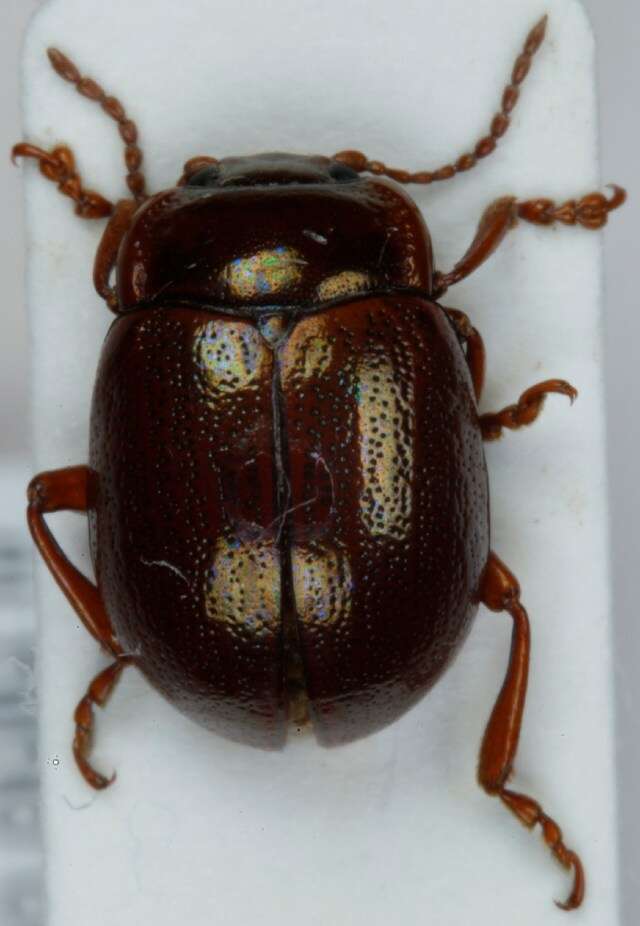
{"x": 287, "y": 492}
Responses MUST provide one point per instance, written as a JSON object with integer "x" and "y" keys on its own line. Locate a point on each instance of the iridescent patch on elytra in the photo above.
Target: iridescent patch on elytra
{"x": 265, "y": 273}
{"x": 242, "y": 587}
{"x": 346, "y": 283}
{"x": 386, "y": 425}
{"x": 230, "y": 355}
{"x": 322, "y": 584}
{"x": 310, "y": 354}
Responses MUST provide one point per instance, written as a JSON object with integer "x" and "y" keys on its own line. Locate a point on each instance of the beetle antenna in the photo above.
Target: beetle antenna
{"x": 499, "y": 125}
{"x": 113, "y": 108}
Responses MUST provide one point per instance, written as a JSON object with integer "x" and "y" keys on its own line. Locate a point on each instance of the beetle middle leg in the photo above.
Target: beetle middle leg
{"x": 529, "y": 405}
{"x": 525, "y": 410}
{"x": 70, "y": 490}
{"x": 500, "y": 591}
{"x": 474, "y": 347}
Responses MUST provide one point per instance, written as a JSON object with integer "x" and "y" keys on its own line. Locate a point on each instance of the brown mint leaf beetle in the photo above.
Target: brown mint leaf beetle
{"x": 286, "y": 450}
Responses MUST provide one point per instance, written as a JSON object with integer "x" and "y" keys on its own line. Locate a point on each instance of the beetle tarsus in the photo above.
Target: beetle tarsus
{"x": 530, "y": 813}
{"x": 590, "y": 211}
{"x": 98, "y": 693}
{"x": 58, "y": 165}
{"x": 526, "y": 409}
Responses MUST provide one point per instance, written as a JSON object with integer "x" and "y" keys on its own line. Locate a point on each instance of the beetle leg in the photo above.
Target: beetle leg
{"x": 500, "y": 591}
{"x": 526, "y": 409}
{"x": 68, "y": 490}
{"x": 475, "y": 352}
{"x": 499, "y": 217}
{"x": 58, "y": 165}
{"x": 98, "y": 693}
{"x": 108, "y": 251}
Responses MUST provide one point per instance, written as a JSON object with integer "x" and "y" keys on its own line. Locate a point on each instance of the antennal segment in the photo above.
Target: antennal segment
{"x": 499, "y": 125}
{"x": 113, "y": 108}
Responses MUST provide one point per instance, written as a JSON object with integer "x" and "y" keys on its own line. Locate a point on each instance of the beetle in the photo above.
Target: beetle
{"x": 287, "y": 493}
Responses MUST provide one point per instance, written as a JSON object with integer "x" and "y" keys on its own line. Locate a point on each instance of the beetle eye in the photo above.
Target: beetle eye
{"x": 206, "y": 176}
{"x": 342, "y": 173}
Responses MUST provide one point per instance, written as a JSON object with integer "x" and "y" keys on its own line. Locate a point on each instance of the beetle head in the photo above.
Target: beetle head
{"x": 273, "y": 230}
{"x": 273, "y": 169}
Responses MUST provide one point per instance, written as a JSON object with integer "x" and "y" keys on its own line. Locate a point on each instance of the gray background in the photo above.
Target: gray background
{"x": 617, "y": 27}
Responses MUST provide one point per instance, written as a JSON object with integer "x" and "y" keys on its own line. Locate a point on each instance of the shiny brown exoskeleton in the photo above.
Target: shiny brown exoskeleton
{"x": 287, "y": 492}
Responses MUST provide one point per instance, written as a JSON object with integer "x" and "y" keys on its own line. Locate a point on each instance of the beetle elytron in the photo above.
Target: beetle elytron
{"x": 287, "y": 492}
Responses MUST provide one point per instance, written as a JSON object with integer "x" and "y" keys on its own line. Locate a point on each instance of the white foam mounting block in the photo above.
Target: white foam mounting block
{"x": 391, "y": 829}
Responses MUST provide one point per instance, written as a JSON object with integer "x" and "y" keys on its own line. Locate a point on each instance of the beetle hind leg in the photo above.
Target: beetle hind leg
{"x": 501, "y": 592}
{"x": 529, "y": 812}
{"x": 98, "y": 693}
{"x": 70, "y": 490}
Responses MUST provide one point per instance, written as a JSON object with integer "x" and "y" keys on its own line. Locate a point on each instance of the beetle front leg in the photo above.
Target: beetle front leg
{"x": 69, "y": 490}
{"x": 59, "y": 166}
{"x": 526, "y": 409}
{"x": 107, "y": 252}
{"x": 500, "y": 591}
{"x": 590, "y": 211}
